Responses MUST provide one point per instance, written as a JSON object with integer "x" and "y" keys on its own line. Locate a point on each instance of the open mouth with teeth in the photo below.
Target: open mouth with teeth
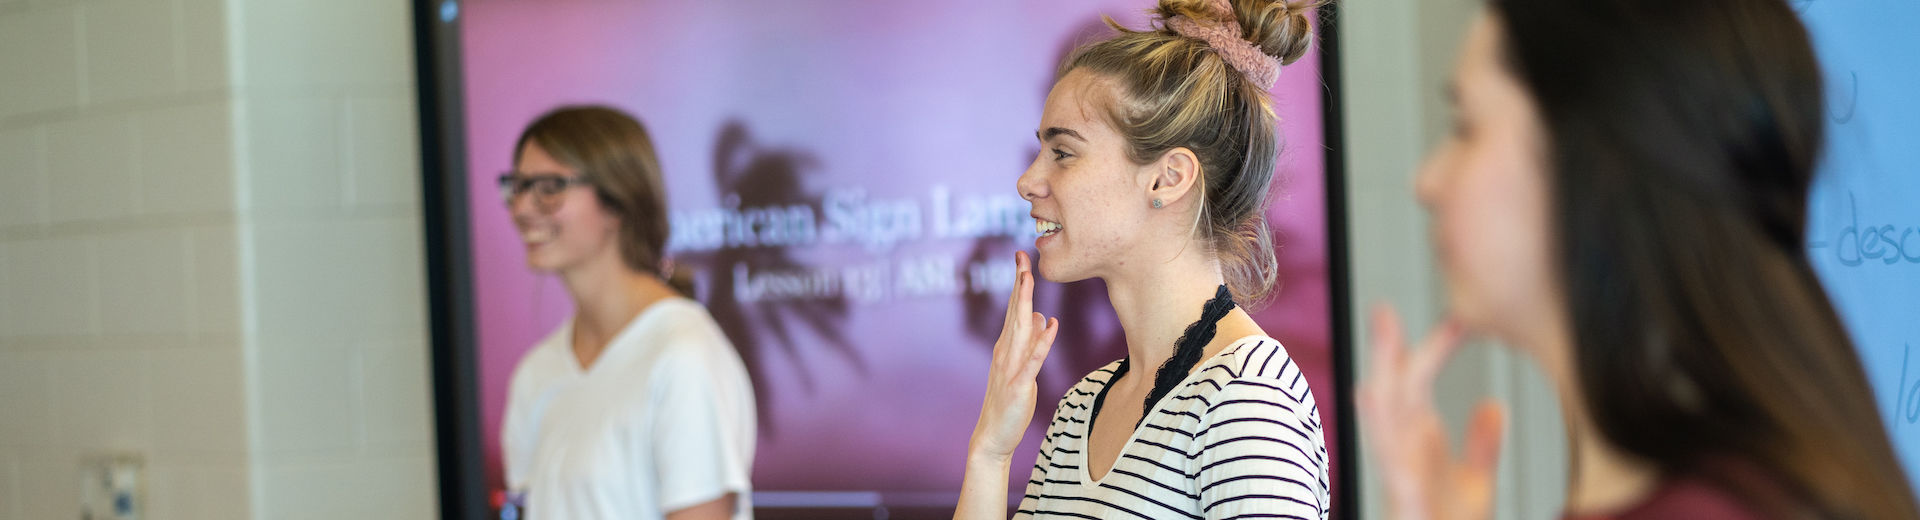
{"x": 1045, "y": 227}
{"x": 536, "y": 236}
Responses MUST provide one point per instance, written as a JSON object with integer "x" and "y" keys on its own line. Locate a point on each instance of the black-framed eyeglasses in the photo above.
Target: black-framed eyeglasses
{"x": 548, "y": 189}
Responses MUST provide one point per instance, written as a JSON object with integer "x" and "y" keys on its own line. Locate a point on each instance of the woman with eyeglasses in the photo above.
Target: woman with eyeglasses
{"x": 637, "y": 406}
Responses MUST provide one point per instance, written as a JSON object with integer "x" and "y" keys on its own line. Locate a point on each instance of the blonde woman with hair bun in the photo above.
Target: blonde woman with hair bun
{"x": 1158, "y": 149}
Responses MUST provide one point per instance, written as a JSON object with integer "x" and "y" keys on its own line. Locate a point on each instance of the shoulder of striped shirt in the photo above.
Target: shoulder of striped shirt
{"x": 1260, "y": 365}
{"x": 1091, "y": 383}
{"x": 1257, "y": 357}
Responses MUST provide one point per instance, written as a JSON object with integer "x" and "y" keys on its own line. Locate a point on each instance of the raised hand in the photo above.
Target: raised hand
{"x": 1424, "y": 480}
{"x": 1025, "y": 339}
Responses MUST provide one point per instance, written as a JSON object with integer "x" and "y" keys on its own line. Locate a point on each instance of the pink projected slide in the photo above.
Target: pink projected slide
{"x": 841, "y": 179}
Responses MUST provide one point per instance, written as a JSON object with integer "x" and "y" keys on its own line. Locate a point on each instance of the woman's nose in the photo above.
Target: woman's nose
{"x": 1030, "y": 183}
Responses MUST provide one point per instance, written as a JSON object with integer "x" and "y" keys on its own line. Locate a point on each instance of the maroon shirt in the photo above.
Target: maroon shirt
{"x": 1704, "y": 493}
{"x": 1685, "y": 498}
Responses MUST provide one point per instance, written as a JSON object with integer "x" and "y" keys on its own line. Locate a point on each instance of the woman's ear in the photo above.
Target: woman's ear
{"x": 1173, "y": 178}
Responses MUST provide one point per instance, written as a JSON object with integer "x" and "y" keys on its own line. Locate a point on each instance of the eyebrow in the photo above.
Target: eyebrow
{"x": 1051, "y": 132}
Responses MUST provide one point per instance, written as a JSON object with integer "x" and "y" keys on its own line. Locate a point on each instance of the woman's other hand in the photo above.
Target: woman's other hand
{"x": 1424, "y": 479}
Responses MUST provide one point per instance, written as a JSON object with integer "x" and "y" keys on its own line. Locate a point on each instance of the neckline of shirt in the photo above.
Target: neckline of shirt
{"x": 565, "y": 339}
{"x": 1086, "y": 454}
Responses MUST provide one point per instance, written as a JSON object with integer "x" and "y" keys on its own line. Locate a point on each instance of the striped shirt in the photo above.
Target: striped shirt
{"x": 1239, "y": 438}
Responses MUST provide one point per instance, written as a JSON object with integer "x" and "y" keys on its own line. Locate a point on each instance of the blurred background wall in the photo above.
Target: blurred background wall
{"x": 210, "y": 256}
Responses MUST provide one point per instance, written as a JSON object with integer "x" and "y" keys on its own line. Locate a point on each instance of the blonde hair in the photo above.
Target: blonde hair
{"x": 1177, "y": 92}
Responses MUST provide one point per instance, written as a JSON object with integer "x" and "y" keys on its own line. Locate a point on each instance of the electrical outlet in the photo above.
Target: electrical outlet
{"x": 111, "y": 487}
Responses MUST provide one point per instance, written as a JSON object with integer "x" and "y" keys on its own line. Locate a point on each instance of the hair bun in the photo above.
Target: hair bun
{"x": 1280, "y": 28}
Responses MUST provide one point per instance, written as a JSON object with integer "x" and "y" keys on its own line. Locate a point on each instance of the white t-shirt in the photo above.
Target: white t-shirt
{"x": 663, "y": 420}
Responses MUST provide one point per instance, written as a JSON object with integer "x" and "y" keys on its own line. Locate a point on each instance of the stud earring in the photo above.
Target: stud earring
{"x": 1156, "y": 204}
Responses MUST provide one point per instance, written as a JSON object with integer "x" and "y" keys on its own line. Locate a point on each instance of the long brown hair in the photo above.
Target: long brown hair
{"x": 1682, "y": 139}
{"x": 613, "y": 153}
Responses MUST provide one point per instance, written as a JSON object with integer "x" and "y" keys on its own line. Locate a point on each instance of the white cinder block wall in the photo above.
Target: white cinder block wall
{"x": 210, "y": 255}
{"x": 331, "y": 235}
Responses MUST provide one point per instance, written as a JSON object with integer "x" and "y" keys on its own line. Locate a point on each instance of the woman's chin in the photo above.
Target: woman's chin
{"x": 540, "y": 263}
{"x": 1053, "y": 272}
{"x": 1473, "y": 315}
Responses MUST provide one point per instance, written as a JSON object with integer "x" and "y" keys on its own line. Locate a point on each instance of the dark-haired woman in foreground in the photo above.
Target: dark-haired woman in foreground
{"x": 1623, "y": 199}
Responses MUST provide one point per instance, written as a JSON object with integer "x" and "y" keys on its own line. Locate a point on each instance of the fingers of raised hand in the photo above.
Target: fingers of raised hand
{"x": 1013, "y": 296}
{"x": 1012, "y": 327}
{"x": 1023, "y": 288}
{"x": 1402, "y": 377}
{"x": 1423, "y": 364}
{"x": 1045, "y": 329}
{"x": 1484, "y": 436}
{"x": 1388, "y": 347}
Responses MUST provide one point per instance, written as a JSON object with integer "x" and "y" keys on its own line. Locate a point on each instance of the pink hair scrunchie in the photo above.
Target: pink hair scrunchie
{"x": 1222, "y": 34}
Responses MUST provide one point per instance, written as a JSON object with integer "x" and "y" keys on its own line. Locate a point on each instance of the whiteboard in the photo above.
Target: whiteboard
{"x": 1863, "y": 222}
